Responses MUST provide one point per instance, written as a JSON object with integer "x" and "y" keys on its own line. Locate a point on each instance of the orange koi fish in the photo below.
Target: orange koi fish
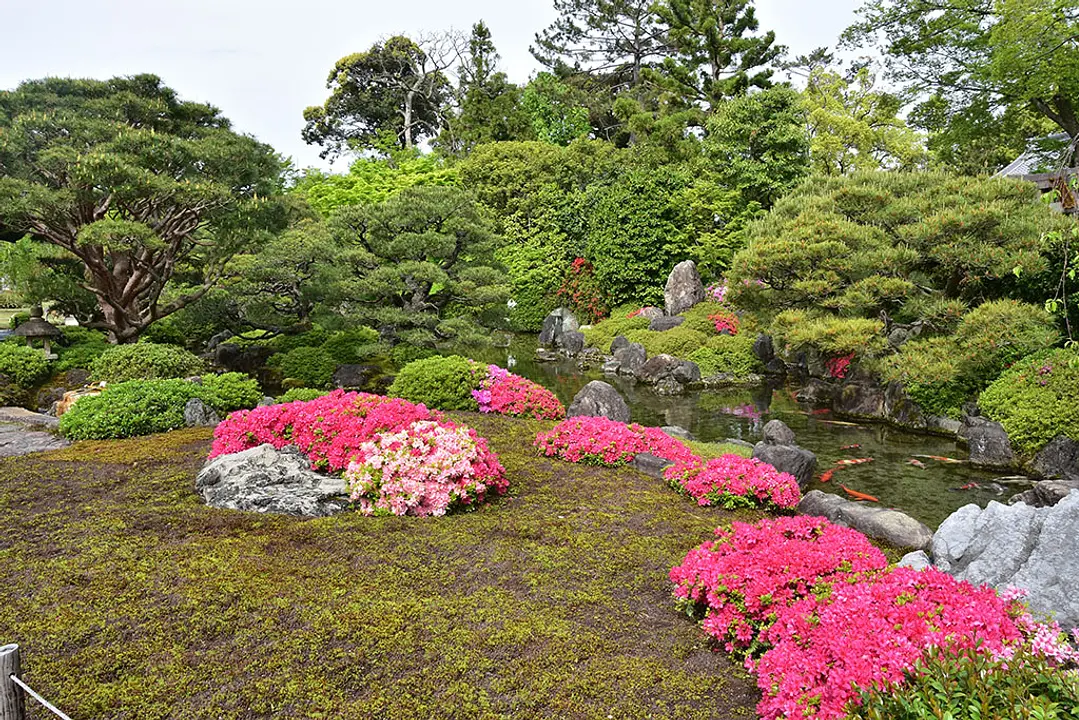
{"x": 857, "y": 495}
{"x": 820, "y": 411}
{"x": 826, "y": 475}
{"x": 917, "y": 463}
{"x": 940, "y": 458}
{"x": 853, "y": 461}
{"x": 855, "y": 446}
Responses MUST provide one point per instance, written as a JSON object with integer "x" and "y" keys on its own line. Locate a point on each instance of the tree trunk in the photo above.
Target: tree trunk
{"x": 408, "y": 118}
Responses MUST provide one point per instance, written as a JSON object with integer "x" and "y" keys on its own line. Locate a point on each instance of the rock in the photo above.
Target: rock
{"x": 49, "y": 398}
{"x": 651, "y": 464}
{"x": 264, "y": 479}
{"x": 797, "y": 461}
{"x": 247, "y": 359}
{"x": 650, "y": 313}
{"x": 544, "y": 355}
{"x": 775, "y": 366}
{"x": 726, "y": 380}
{"x": 17, "y": 439}
{"x": 900, "y": 409}
{"x": 889, "y": 526}
{"x": 669, "y": 387}
{"x": 618, "y": 343}
{"x": 817, "y": 392}
{"x": 598, "y": 399}
{"x": 73, "y": 396}
{"x": 764, "y": 349}
{"x": 667, "y": 367}
{"x": 571, "y": 342}
{"x": 916, "y": 560}
{"x": 687, "y": 372}
{"x": 860, "y": 399}
{"x": 217, "y": 339}
{"x": 740, "y": 443}
{"x": 943, "y": 425}
{"x": 355, "y": 376}
{"x": 684, "y": 288}
{"x": 677, "y": 431}
{"x": 611, "y": 367}
{"x": 1058, "y": 459}
{"x": 663, "y": 324}
{"x": 555, "y": 324}
{"x": 989, "y": 444}
{"x": 1020, "y": 546}
{"x": 198, "y": 414}
{"x": 631, "y": 358}
{"x": 1045, "y": 493}
{"x": 501, "y": 340}
{"x": 777, "y": 432}
{"x": 267, "y": 400}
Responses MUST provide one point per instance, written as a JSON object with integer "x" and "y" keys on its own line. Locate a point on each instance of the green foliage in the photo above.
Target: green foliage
{"x": 372, "y": 180}
{"x": 443, "y": 383}
{"x": 603, "y": 333}
{"x": 728, "y": 354}
{"x": 315, "y": 337}
{"x": 300, "y": 394}
{"x": 802, "y": 330}
{"x": 230, "y": 391}
{"x": 144, "y": 361}
{"x": 311, "y": 366}
{"x": 679, "y": 342}
{"x": 134, "y": 190}
{"x": 80, "y": 348}
{"x": 343, "y": 345}
{"x": 931, "y": 370}
{"x": 129, "y": 409}
{"x": 25, "y": 366}
{"x": 696, "y": 318}
{"x": 1036, "y": 400}
{"x": 403, "y": 354}
{"x": 973, "y": 686}
{"x": 556, "y": 113}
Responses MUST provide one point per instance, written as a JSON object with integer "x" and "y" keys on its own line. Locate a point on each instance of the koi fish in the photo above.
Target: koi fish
{"x": 839, "y": 422}
{"x": 820, "y": 411}
{"x": 855, "y": 446}
{"x": 853, "y": 461}
{"x": 917, "y": 463}
{"x": 857, "y": 495}
{"x": 826, "y": 475}
{"x": 940, "y": 458}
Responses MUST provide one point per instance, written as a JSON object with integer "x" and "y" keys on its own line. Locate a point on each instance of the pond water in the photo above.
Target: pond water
{"x": 928, "y": 489}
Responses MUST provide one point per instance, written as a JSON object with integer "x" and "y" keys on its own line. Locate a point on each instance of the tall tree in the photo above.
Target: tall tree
{"x": 618, "y": 38}
{"x": 399, "y": 86}
{"x": 718, "y": 53}
{"x": 137, "y": 186}
{"x": 980, "y": 56}
{"x": 556, "y": 111}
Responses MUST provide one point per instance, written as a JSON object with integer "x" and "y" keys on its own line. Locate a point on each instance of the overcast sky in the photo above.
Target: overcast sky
{"x": 262, "y": 62}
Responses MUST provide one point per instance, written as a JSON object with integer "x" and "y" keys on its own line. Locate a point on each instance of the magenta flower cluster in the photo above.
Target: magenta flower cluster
{"x": 716, "y": 292}
{"x": 428, "y": 468}
{"x": 601, "y": 441}
{"x": 733, "y": 481}
{"x": 504, "y": 393}
{"x": 819, "y": 615}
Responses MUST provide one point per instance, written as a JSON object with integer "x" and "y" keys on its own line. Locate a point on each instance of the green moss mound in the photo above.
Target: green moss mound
{"x": 679, "y": 342}
{"x": 145, "y": 361}
{"x": 306, "y": 366}
{"x": 130, "y": 409}
{"x": 231, "y": 391}
{"x": 1036, "y": 400}
{"x": 444, "y": 383}
{"x": 730, "y": 354}
{"x": 603, "y": 333}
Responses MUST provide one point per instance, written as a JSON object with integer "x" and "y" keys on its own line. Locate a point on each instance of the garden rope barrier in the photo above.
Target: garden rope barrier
{"x": 12, "y": 705}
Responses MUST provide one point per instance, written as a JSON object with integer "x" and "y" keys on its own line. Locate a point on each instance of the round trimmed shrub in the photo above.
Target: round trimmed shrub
{"x": 145, "y": 361}
{"x": 24, "y": 366}
{"x": 301, "y": 394}
{"x": 445, "y": 383}
{"x": 129, "y": 409}
{"x": 310, "y": 366}
{"x": 732, "y": 354}
{"x": 1036, "y": 399}
{"x": 231, "y": 391}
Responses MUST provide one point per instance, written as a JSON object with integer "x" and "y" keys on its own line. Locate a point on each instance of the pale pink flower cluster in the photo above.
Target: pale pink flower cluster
{"x": 429, "y": 468}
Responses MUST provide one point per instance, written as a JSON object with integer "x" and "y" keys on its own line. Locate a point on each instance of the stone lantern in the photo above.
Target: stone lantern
{"x": 38, "y": 327}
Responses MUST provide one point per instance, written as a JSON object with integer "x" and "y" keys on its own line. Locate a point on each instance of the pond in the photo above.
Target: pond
{"x": 925, "y": 476}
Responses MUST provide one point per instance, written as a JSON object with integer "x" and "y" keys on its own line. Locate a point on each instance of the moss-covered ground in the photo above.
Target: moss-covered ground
{"x": 133, "y": 600}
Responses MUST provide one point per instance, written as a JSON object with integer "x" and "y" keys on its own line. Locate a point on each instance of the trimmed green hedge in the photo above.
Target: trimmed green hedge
{"x": 25, "y": 366}
{"x": 445, "y": 383}
{"x": 145, "y": 361}
{"x": 129, "y": 409}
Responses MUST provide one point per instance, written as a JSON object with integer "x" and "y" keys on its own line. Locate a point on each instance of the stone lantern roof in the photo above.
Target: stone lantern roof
{"x": 36, "y": 326}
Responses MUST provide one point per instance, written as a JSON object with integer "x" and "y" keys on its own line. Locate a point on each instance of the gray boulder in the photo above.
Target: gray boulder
{"x": 598, "y": 399}
{"x": 571, "y": 342}
{"x": 817, "y": 392}
{"x": 779, "y": 450}
{"x": 663, "y": 324}
{"x": 989, "y": 443}
{"x": 18, "y": 439}
{"x": 775, "y": 366}
{"x": 916, "y": 560}
{"x": 198, "y": 414}
{"x": 764, "y": 349}
{"x": 611, "y": 367}
{"x": 355, "y": 376}
{"x": 651, "y": 465}
{"x": 860, "y": 399}
{"x": 618, "y": 343}
{"x": 889, "y": 526}
{"x": 631, "y": 358}
{"x": 1058, "y": 459}
{"x": 264, "y": 479}
{"x": 650, "y": 313}
{"x": 545, "y": 355}
{"x": 267, "y": 400}
{"x": 667, "y": 367}
{"x": 684, "y": 288}
{"x": 777, "y": 432}
{"x": 677, "y": 431}
{"x": 1045, "y": 493}
{"x": 1020, "y": 546}
{"x": 557, "y": 322}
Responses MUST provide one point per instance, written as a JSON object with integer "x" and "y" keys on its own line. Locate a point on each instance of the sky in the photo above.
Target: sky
{"x": 263, "y": 61}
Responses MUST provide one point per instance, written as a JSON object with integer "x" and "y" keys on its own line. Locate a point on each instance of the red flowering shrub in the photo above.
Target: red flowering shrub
{"x": 601, "y": 441}
{"x": 580, "y": 291}
{"x": 733, "y": 481}
{"x": 725, "y": 323}
{"x": 750, "y": 572}
{"x": 329, "y": 429}
{"x": 838, "y": 366}
{"x": 504, "y": 393}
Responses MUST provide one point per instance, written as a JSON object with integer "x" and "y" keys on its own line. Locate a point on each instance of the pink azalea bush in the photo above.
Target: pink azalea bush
{"x": 504, "y": 393}
{"x": 427, "y": 468}
{"x": 733, "y": 481}
{"x": 744, "y": 577}
{"x": 602, "y": 441}
{"x": 329, "y": 429}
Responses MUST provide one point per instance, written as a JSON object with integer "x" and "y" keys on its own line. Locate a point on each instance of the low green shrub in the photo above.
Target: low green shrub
{"x": 444, "y": 383}
{"x": 1036, "y": 399}
{"x": 931, "y": 370}
{"x": 309, "y": 366}
{"x": 145, "y": 361}
{"x": 973, "y": 686}
{"x": 679, "y": 342}
{"x": 730, "y": 354}
{"x": 314, "y": 337}
{"x": 342, "y": 346}
{"x": 80, "y": 348}
{"x": 302, "y": 394}
{"x": 601, "y": 334}
{"x": 231, "y": 391}
{"x": 403, "y": 354}
{"x": 696, "y": 318}
{"x": 804, "y": 329}
{"x": 130, "y": 409}
{"x": 24, "y": 366}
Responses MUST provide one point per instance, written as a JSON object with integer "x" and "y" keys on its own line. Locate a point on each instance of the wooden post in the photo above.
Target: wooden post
{"x": 12, "y": 702}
